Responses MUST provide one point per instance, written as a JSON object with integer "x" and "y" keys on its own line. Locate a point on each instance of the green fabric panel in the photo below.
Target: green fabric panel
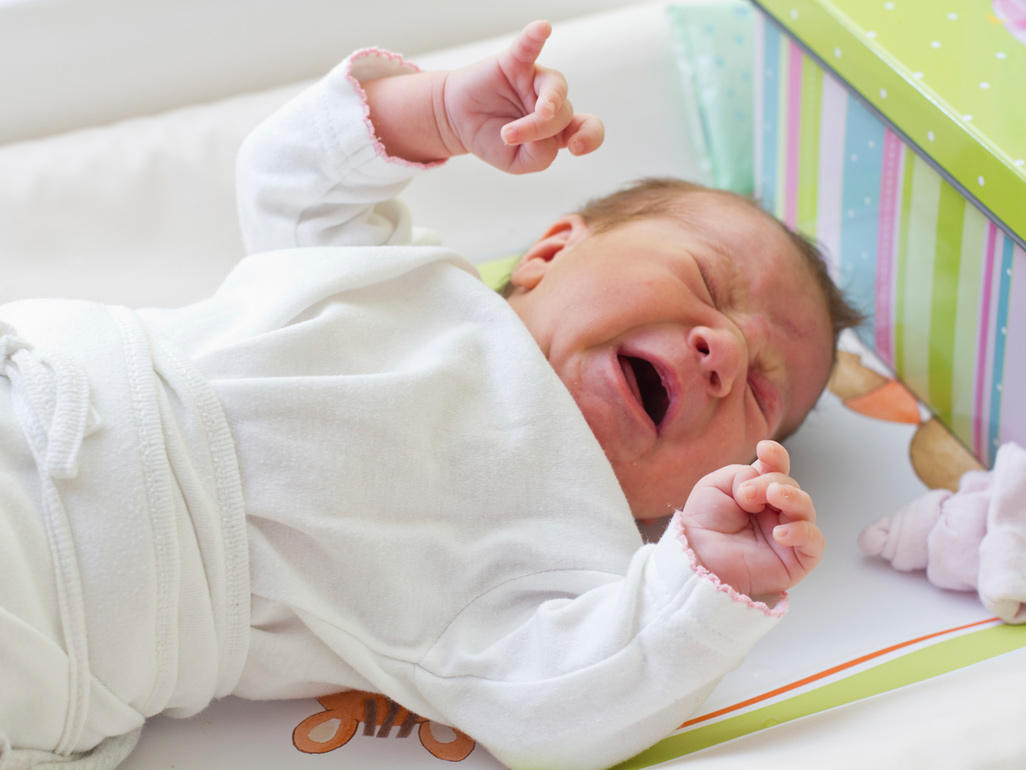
{"x": 713, "y": 43}
{"x": 495, "y": 272}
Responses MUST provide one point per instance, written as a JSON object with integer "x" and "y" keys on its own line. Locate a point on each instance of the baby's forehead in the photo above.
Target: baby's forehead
{"x": 736, "y": 228}
{"x": 757, "y": 252}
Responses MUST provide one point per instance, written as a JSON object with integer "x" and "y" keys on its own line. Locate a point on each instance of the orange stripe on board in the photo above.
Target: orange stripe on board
{"x": 827, "y": 672}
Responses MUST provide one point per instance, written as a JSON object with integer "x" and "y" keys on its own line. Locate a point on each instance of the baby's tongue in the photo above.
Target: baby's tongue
{"x": 632, "y": 380}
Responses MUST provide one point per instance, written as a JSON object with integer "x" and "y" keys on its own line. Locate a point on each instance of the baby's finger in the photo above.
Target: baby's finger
{"x": 534, "y": 127}
{"x": 728, "y": 478}
{"x": 805, "y": 537}
{"x": 792, "y": 501}
{"x": 751, "y": 493}
{"x": 772, "y": 458}
{"x": 529, "y": 42}
{"x": 550, "y": 85}
{"x": 584, "y": 134}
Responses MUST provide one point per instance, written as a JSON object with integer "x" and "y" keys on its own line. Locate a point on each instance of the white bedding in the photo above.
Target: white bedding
{"x": 142, "y": 212}
{"x": 145, "y": 207}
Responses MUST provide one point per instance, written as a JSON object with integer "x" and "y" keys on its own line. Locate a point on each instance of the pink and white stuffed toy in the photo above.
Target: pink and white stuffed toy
{"x": 972, "y": 539}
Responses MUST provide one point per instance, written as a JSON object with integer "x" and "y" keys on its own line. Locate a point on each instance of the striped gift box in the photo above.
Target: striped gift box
{"x": 941, "y": 279}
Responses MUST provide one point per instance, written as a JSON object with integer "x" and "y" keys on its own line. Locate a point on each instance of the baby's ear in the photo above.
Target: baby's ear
{"x": 535, "y": 262}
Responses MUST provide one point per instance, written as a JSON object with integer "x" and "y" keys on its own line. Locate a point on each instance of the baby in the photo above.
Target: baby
{"x": 355, "y": 466}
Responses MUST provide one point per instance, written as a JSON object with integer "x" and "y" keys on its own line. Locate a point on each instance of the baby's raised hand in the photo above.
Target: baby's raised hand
{"x": 753, "y": 526}
{"x": 512, "y": 112}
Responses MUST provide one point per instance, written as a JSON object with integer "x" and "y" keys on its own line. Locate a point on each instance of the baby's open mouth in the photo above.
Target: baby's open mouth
{"x": 647, "y": 386}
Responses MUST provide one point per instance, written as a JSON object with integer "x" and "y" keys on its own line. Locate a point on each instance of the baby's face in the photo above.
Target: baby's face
{"x": 684, "y": 344}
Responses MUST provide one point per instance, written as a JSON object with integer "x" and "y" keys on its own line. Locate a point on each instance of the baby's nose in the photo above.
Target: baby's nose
{"x": 721, "y": 358}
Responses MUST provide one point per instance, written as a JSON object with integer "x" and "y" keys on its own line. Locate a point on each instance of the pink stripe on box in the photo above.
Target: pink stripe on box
{"x": 983, "y": 346}
{"x": 794, "y": 110}
{"x": 890, "y": 181}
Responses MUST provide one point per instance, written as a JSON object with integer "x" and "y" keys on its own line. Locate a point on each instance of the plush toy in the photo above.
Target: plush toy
{"x": 971, "y": 539}
{"x": 938, "y": 458}
{"x": 969, "y": 531}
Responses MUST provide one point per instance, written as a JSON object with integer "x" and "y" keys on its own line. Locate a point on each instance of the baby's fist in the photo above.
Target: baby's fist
{"x": 753, "y": 526}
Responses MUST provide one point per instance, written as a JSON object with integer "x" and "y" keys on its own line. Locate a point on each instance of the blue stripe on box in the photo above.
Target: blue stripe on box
{"x": 860, "y": 189}
{"x": 770, "y": 118}
{"x": 1000, "y": 336}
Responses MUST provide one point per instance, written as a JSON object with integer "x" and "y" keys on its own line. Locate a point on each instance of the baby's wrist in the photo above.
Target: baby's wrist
{"x": 403, "y": 112}
{"x": 448, "y": 136}
{"x": 769, "y": 603}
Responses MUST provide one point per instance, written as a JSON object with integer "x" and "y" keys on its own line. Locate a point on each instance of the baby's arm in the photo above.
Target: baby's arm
{"x": 753, "y": 526}
{"x": 546, "y": 678}
{"x": 596, "y": 678}
{"x": 323, "y": 170}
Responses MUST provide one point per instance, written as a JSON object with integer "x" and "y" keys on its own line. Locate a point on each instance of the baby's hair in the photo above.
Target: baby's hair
{"x": 666, "y": 197}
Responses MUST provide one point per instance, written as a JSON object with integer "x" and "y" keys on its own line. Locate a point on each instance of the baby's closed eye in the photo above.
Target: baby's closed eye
{"x": 710, "y": 285}
{"x": 766, "y": 395}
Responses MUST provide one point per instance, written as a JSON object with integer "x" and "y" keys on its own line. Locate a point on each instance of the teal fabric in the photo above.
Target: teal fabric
{"x": 713, "y": 43}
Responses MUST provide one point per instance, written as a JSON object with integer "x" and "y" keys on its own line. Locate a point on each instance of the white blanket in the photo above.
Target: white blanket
{"x": 107, "y": 619}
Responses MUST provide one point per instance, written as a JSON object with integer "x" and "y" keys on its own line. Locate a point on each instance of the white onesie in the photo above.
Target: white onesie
{"x": 427, "y": 513}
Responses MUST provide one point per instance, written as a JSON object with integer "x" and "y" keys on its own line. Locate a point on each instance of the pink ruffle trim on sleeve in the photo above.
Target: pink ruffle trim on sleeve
{"x": 774, "y": 612}
{"x": 379, "y": 148}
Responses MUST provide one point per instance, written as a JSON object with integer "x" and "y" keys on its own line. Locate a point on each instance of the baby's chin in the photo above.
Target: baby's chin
{"x": 650, "y": 500}
{"x": 652, "y": 494}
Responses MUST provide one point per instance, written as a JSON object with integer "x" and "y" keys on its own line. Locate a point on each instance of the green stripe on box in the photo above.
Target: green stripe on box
{"x": 974, "y": 233}
{"x": 947, "y": 252}
{"x": 922, "y": 237}
{"x": 901, "y": 264}
{"x": 808, "y": 168}
{"x": 940, "y": 658}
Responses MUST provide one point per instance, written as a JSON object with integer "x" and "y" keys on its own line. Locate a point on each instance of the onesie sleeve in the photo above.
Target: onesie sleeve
{"x": 589, "y": 680}
{"x": 315, "y": 174}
